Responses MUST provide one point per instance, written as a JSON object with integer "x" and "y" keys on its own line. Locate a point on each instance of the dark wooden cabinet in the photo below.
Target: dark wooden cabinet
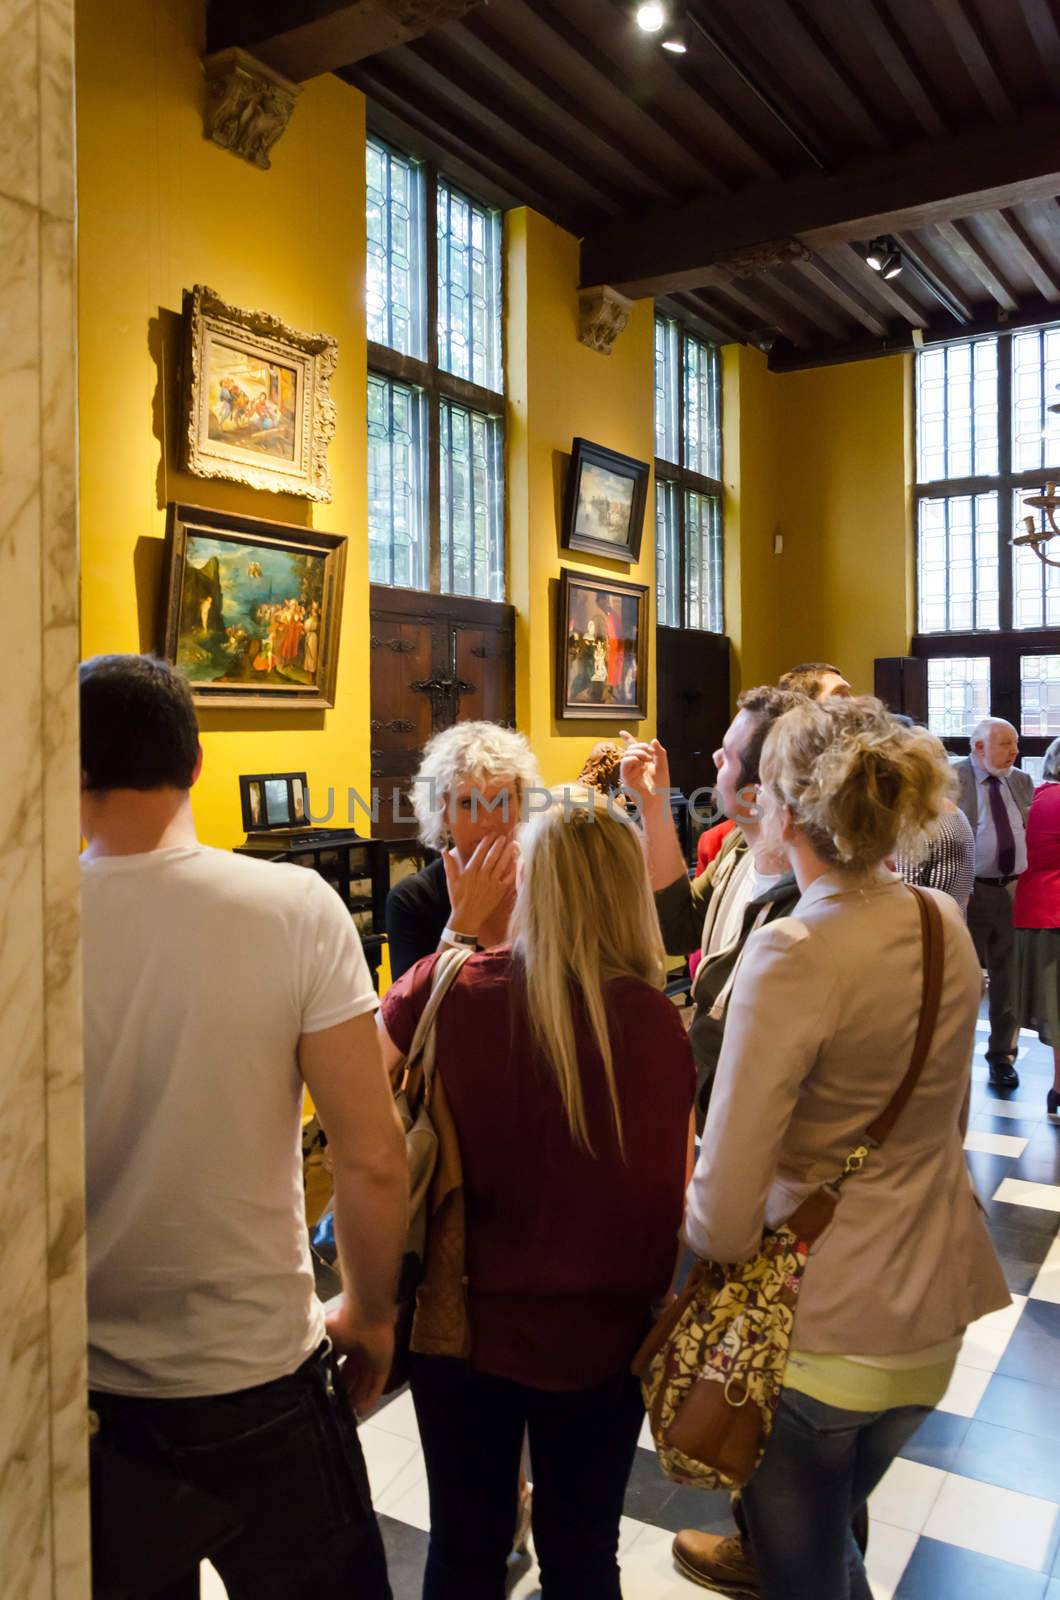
{"x": 901, "y": 683}
{"x": 436, "y": 660}
{"x": 692, "y": 670}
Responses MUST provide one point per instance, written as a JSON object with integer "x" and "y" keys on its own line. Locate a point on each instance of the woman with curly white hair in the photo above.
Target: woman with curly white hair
{"x": 819, "y": 1034}
{"x": 468, "y": 798}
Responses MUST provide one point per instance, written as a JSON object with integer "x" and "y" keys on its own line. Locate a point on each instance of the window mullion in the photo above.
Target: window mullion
{"x": 1004, "y": 461}
{"x": 434, "y": 471}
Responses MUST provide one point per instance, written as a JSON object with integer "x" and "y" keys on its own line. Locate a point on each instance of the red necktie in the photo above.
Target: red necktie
{"x": 1006, "y": 841}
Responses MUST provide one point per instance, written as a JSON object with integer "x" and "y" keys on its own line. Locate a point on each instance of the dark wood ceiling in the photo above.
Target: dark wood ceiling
{"x": 812, "y": 121}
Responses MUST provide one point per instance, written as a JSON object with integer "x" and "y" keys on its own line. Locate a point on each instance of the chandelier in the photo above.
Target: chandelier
{"x": 1049, "y": 502}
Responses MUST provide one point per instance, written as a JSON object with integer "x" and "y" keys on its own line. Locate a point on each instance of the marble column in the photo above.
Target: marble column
{"x": 43, "y": 1454}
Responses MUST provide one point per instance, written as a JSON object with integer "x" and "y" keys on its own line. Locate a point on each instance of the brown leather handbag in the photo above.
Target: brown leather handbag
{"x": 712, "y": 1368}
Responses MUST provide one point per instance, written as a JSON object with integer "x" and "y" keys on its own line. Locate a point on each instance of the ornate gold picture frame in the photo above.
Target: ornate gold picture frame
{"x": 258, "y": 406}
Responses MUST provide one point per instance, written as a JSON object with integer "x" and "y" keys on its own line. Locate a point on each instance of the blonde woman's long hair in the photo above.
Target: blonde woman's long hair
{"x": 584, "y": 915}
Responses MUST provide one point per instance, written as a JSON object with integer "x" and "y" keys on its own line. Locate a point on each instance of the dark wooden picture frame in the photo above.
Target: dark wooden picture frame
{"x": 602, "y": 516}
{"x": 259, "y": 805}
{"x": 255, "y": 623}
{"x": 601, "y": 673}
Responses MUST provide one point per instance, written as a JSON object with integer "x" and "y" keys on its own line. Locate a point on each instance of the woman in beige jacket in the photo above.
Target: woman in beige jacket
{"x": 820, "y": 1029}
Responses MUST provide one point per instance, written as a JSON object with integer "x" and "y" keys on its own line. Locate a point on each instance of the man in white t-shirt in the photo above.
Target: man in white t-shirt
{"x": 216, "y": 989}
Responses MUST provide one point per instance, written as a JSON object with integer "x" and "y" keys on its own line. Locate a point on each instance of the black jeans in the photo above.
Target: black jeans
{"x": 582, "y": 1446}
{"x": 284, "y": 1459}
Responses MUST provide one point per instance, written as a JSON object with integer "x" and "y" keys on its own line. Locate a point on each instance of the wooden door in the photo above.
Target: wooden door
{"x": 435, "y": 660}
{"x": 693, "y": 712}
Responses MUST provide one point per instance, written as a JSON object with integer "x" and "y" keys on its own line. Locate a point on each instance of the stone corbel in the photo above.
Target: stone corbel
{"x": 248, "y": 105}
{"x": 602, "y": 315}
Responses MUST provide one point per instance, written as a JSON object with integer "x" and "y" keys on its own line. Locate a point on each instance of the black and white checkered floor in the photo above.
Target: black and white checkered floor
{"x": 970, "y": 1510}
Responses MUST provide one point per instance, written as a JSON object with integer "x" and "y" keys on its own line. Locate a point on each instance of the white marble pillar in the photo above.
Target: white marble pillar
{"x": 43, "y": 1457}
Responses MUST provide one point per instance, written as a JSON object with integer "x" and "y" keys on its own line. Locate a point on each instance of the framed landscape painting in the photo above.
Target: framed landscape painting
{"x": 251, "y": 609}
{"x": 606, "y": 495}
{"x": 602, "y": 649}
{"x": 257, "y": 398}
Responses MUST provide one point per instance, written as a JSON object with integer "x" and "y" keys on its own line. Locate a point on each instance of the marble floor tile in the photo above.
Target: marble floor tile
{"x": 995, "y": 1144}
{"x": 943, "y": 1572}
{"x": 1017, "y": 1192}
{"x": 966, "y": 1389}
{"x": 986, "y": 1340}
{"x": 1046, "y": 1285}
{"x": 385, "y": 1456}
{"x": 397, "y": 1416}
{"x": 994, "y": 1522}
{"x": 905, "y": 1496}
{"x": 405, "y": 1498}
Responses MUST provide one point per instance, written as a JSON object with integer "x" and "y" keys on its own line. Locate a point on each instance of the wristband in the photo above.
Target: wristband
{"x": 467, "y": 940}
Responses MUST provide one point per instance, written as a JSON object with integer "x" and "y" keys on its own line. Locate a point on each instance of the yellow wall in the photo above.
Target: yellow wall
{"x": 160, "y": 209}
{"x": 558, "y": 389}
{"x": 819, "y": 457}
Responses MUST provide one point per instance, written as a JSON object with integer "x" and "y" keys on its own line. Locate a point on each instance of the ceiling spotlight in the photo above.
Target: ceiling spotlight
{"x": 884, "y": 257}
{"x": 675, "y": 39}
{"x": 651, "y": 16}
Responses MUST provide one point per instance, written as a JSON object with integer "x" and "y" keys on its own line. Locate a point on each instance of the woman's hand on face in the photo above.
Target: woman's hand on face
{"x": 645, "y": 768}
{"x": 480, "y": 889}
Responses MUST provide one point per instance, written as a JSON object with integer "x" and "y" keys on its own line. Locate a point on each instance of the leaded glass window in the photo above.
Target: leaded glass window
{"x": 688, "y": 488}
{"x": 435, "y": 395}
{"x": 396, "y": 270}
{"x": 704, "y": 596}
{"x": 472, "y": 504}
{"x": 958, "y": 694}
{"x": 667, "y": 561}
{"x": 1040, "y": 696}
{"x": 397, "y": 520}
{"x": 957, "y": 421}
{"x": 958, "y": 562}
{"x": 469, "y": 289}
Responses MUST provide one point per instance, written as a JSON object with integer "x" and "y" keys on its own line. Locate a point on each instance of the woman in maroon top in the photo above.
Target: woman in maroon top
{"x": 570, "y": 1080}
{"x": 1036, "y": 918}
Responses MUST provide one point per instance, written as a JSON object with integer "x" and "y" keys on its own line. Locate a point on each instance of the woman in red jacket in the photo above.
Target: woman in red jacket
{"x": 1036, "y": 917}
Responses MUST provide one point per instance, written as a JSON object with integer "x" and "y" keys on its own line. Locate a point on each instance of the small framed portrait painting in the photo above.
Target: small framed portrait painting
{"x": 606, "y": 496}
{"x": 251, "y": 609}
{"x": 257, "y": 400}
{"x": 273, "y": 801}
{"x": 602, "y": 649}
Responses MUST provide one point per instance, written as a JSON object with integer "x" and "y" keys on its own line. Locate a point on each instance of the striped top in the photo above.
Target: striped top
{"x": 950, "y": 862}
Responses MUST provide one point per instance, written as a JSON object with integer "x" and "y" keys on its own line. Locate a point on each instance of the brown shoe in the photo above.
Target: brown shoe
{"x": 725, "y": 1565}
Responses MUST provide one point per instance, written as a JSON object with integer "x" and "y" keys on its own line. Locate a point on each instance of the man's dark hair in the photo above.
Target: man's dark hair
{"x": 808, "y": 677}
{"x": 138, "y": 725}
{"x": 765, "y": 704}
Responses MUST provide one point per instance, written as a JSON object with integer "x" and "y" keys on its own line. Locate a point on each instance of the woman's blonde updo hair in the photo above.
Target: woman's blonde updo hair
{"x": 860, "y": 786}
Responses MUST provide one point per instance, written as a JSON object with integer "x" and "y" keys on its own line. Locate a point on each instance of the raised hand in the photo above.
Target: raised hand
{"x": 645, "y": 768}
{"x": 482, "y": 888}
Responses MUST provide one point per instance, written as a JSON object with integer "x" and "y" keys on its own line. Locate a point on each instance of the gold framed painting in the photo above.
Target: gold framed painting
{"x": 601, "y": 648}
{"x": 257, "y": 398}
{"x": 251, "y": 609}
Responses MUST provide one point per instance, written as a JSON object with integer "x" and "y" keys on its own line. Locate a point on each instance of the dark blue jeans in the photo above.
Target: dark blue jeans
{"x": 819, "y": 1468}
{"x": 284, "y": 1460}
{"x": 582, "y": 1446}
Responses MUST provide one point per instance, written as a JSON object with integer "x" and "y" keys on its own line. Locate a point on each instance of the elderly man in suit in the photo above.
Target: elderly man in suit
{"x": 996, "y": 797}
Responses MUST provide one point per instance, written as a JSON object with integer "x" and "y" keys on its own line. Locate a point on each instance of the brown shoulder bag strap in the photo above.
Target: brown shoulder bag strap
{"x": 815, "y": 1213}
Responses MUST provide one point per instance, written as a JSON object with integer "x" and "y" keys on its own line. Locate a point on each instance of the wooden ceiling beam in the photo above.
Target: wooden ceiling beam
{"x": 1023, "y": 248}
{"x": 933, "y": 182}
{"x": 702, "y": 318}
{"x": 492, "y": 51}
{"x": 436, "y": 68}
{"x": 382, "y": 84}
{"x": 822, "y": 68}
{"x": 843, "y": 293}
{"x": 892, "y": 50}
{"x": 974, "y": 51}
{"x": 928, "y": 265}
{"x": 960, "y": 239}
{"x": 1044, "y": 32}
{"x": 819, "y": 310}
{"x": 303, "y": 38}
{"x": 765, "y": 309}
{"x": 785, "y": 358}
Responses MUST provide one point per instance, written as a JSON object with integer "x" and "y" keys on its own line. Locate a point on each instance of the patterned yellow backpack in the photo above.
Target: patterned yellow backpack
{"x": 712, "y": 1367}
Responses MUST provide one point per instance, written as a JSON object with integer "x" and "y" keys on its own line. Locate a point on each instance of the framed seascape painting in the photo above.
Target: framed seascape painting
{"x": 251, "y": 609}
{"x": 257, "y": 400}
{"x": 606, "y": 496}
{"x": 602, "y": 648}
